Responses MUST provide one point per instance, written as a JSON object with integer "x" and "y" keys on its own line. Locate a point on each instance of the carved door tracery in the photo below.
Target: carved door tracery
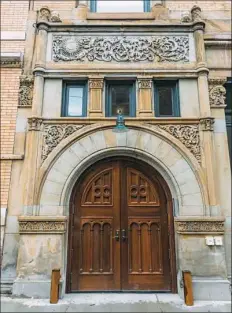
{"x": 119, "y": 230}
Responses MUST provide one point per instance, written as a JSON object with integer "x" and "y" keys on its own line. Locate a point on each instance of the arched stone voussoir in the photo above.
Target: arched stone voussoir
{"x": 158, "y": 145}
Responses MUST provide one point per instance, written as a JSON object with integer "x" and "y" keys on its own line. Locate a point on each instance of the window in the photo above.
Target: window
{"x": 117, "y": 6}
{"x": 166, "y": 99}
{"x": 120, "y": 95}
{"x": 228, "y": 113}
{"x": 74, "y": 99}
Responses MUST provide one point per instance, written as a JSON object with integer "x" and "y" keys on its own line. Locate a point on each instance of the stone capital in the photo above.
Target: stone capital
{"x": 34, "y": 123}
{"x": 217, "y": 92}
{"x": 206, "y": 124}
{"x": 144, "y": 83}
{"x": 96, "y": 83}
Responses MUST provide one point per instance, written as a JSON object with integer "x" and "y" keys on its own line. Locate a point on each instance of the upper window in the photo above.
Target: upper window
{"x": 120, "y": 95}
{"x": 119, "y": 6}
{"x": 74, "y": 99}
{"x": 166, "y": 99}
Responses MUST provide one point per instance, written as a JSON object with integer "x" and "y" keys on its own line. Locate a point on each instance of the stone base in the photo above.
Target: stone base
{"x": 211, "y": 289}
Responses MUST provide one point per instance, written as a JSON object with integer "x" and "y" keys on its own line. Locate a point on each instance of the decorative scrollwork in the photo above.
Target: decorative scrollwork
{"x": 54, "y": 134}
{"x": 144, "y": 83}
{"x": 34, "y": 123}
{"x": 199, "y": 226}
{"x": 26, "y": 91}
{"x": 42, "y": 226}
{"x": 121, "y": 49}
{"x": 188, "y": 135}
{"x": 207, "y": 123}
{"x": 217, "y": 92}
{"x": 96, "y": 83}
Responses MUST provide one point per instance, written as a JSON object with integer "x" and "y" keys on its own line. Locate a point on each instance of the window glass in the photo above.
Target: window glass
{"x": 119, "y": 6}
{"x": 120, "y": 96}
{"x": 165, "y": 100}
{"x": 75, "y": 101}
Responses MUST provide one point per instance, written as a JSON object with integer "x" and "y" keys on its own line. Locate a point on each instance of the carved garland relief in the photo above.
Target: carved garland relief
{"x": 121, "y": 49}
{"x": 26, "y": 91}
{"x": 217, "y": 92}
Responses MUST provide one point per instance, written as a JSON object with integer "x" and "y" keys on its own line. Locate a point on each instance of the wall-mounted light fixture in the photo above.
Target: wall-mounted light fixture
{"x": 120, "y": 123}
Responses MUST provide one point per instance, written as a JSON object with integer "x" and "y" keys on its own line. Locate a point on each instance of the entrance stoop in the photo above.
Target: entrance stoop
{"x": 110, "y": 302}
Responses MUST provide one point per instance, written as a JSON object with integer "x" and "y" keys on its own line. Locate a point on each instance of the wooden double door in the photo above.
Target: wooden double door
{"x": 119, "y": 231}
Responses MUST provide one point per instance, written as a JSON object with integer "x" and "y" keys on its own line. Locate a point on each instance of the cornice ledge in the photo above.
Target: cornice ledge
{"x": 11, "y": 60}
{"x": 199, "y": 225}
{"x": 12, "y": 156}
{"x": 42, "y": 224}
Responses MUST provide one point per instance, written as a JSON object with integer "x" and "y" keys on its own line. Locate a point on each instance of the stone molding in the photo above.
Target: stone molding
{"x": 144, "y": 83}
{"x": 199, "y": 225}
{"x": 12, "y": 157}
{"x": 188, "y": 135}
{"x": 217, "y": 92}
{"x": 26, "y": 91}
{"x": 42, "y": 224}
{"x": 34, "y": 123}
{"x": 121, "y": 48}
{"x": 54, "y": 134}
{"x": 11, "y": 60}
{"x": 206, "y": 124}
{"x": 96, "y": 83}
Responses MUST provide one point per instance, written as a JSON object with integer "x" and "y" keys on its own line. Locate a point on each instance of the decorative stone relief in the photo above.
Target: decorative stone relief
{"x": 196, "y": 13}
{"x": 55, "y": 17}
{"x": 42, "y": 226}
{"x": 96, "y": 83}
{"x": 54, "y": 134}
{"x": 186, "y": 18}
{"x": 34, "y": 123}
{"x": 121, "y": 49}
{"x": 26, "y": 91}
{"x": 217, "y": 92}
{"x": 144, "y": 83}
{"x": 207, "y": 123}
{"x": 188, "y": 135}
{"x": 11, "y": 62}
{"x": 199, "y": 226}
{"x": 44, "y": 14}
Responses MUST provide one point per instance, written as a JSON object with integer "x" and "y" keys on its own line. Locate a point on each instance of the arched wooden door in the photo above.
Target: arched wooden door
{"x": 120, "y": 227}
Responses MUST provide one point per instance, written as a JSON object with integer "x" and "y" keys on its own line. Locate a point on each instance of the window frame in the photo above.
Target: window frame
{"x": 132, "y": 97}
{"x": 65, "y": 96}
{"x": 175, "y": 97}
{"x": 146, "y": 7}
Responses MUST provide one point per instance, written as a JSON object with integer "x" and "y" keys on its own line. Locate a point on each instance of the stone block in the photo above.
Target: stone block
{"x": 163, "y": 151}
{"x": 12, "y": 225}
{"x": 172, "y": 157}
{"x": 9, "y": 257}
{"x": 51, "y": 210}
{"x": 79, "y": 150}
{"x": 110, "y": 138}
{"x": 121, "y": 139}
{"x": 49, "y": 199}
{"x": 52, "y": 98}
{"x": 99, "y": 140}
{"x": 88, "y": 144}
{"x": 51, "y": 187}
{"x": 179, "y": 167}
{"x": 211, "y": 290}
{"x": 192, "y": 199}
{"x": 132, "y": 137}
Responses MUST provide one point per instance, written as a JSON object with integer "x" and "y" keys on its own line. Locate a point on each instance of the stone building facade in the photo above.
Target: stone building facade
{"x": 173, "y": 64}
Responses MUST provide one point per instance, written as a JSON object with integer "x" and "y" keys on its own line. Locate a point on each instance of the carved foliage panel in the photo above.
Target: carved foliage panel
{"x": 99, "y": 190}
{"x": 140, "y": 190}
{"x": 120, "y": 48}
{"x": 145, "y": 246}
{"x": 96, "y": 253}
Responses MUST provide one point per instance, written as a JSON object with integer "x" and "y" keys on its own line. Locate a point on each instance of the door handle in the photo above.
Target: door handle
{"x": 117, "y": 235}
{"x": 124, "y": 237}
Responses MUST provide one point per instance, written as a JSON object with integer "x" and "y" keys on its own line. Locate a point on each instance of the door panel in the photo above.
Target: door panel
{"x": 119, "y": 230}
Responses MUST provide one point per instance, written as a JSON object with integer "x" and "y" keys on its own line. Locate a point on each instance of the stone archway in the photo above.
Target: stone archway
{"x": 181, "y": 171}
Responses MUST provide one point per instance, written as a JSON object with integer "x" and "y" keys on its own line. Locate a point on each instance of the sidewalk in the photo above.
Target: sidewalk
{"x": 112, "y": 303}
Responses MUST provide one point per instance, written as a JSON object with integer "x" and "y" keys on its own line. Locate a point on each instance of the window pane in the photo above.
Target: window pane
{"x": 75, "y": 101}
{"x": 120, "y": 96}
{"x": 165, "y": 100}
{"x": 119, "y": 6}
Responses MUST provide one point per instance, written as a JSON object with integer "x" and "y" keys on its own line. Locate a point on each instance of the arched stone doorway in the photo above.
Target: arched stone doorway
{"x": 121, "y": 235}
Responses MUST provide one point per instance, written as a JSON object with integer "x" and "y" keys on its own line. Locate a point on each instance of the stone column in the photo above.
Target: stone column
{"x": 206, "y": 121}
{"x": 82, "y": 10}
{"x": 95, "y": 97}
{"x": 145, "y": 97}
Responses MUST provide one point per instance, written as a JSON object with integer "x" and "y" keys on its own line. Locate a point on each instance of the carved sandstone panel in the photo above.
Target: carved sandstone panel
{"x": 121, "y": 49}
{"x": 26, "y": 91}
{"x": 217, "y": 92}
{"x": 199, "y": 226}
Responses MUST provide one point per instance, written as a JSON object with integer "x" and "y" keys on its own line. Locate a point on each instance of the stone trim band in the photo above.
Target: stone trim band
{"x": 197, "y": 226}
{"x": 42, "y": 224}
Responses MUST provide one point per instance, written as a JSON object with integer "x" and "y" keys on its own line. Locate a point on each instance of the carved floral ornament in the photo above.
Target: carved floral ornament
{"x": 26, "y": 91}
{"x": 144, "y": 83}
{"x": 217, "y": 92}
{"x": 42, "y": 226}
{"x": 96, "y": 83}
{"x": 207, "y": 124}
{"x": 121, "y": 49}
{"x": 199, "y": 226}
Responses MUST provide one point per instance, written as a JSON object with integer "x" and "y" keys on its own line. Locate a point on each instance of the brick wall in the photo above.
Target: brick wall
{"x": 14, "y": 15}
{"x": 9, "y": 103}
{"x": 204, "y": 5}
{"x": 59, "y": 5}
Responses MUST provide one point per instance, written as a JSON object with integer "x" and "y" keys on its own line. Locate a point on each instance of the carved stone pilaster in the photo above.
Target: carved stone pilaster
{"x": 188, "y": 135}
{"x": 44, "y": 14}
{"x": 34, "y": 123}
{"x": 197, "y": 226}
{"x": 217, "y": 92}
{"x": 54, "y": 134}
{"x": 196, "y": 13}
{"x": 26, "y": 91}
{"x": 144, "y": 83}
{"x": 42, "y": 225}
{"x": 96, "y": 83}
{"x": 206, "y": 124}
